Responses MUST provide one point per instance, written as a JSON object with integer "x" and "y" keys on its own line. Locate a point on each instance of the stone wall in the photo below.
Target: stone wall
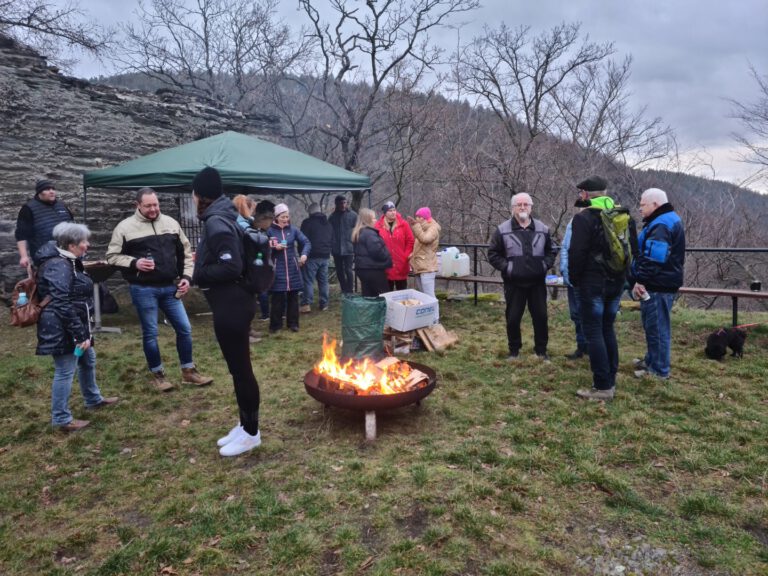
{"x": 58, "y": 127}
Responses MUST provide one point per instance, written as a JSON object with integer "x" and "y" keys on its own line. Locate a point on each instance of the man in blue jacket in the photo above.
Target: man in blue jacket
{"x": 657, "y": 273}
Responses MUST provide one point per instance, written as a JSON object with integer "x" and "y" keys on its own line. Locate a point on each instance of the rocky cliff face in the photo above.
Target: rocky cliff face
{"x": 58, "y": 127}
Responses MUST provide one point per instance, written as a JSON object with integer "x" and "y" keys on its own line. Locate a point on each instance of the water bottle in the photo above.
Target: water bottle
{"x": 259, "y": 260}
{"x": 22, "y": 300}
{"x": 78, "y": 351}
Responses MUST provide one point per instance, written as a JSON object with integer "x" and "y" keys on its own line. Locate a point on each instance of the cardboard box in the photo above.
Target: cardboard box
{"x": 404, "y": 318}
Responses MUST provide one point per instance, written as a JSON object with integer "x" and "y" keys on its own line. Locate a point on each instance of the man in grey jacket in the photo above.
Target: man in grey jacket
{"x": 521, "y": 248}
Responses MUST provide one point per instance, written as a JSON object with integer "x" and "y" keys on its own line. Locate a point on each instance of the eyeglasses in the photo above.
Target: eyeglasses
{"x": 523, "y": 204}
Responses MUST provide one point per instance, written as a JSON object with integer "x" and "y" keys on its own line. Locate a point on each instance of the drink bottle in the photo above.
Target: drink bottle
{"x": 259, "y": 260}
{"x": 22, "y": 300}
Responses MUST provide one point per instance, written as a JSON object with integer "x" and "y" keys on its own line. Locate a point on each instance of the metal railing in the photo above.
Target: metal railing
{"x": 477, "y": 249}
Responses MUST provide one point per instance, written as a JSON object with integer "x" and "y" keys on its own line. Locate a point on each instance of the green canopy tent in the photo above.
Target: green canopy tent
{"x": 246, "y": 163}
{"x": 242, "y": 160}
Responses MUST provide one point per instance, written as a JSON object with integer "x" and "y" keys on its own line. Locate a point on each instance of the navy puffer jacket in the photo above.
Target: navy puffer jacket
{"x": 65, "y": 321}
{"x": 287, "y": 273}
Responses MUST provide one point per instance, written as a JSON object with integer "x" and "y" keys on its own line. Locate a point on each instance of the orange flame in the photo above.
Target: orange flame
{"x": 364, "y": 377}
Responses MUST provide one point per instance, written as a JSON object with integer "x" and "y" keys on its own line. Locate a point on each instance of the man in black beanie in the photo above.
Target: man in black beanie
{"x": 36, "y": 221}
{"x": 598, "y": 289}
{"x": 342, "y": 221}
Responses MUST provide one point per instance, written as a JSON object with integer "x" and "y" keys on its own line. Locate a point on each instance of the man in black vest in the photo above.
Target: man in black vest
{"x": 36, "y": 221}
{"x": 521, "y": 248}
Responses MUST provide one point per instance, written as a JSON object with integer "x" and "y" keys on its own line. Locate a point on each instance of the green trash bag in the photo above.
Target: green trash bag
{"x": 362, "y": 326}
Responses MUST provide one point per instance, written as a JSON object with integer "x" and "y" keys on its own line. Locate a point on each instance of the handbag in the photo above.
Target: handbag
{"x": 27, "y": 314}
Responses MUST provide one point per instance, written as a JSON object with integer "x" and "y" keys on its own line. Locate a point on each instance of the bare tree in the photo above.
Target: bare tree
{"x": 53, "y": 31}
{"x": 367, "y": 51}
{"x": 227, "y": 50}
{"x": 754, "y": 118}
{"x": 518, "y": 77}
{"x": 594, "y": 114}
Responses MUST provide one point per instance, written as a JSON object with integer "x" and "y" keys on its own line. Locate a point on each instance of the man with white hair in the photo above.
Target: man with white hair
{"x": 521, "y": 248}
{"x": 657, "y": 274}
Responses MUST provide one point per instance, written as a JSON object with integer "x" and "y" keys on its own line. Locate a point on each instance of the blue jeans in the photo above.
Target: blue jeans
{"x": 63, "y": 373}
{"x": 147, "y": 300}
{"x": 573, "y": 310}
{"x": 655, "y": 314}
{"x": 315, "y": 268}
{"x": 598, "y": 305}
{"x": 264, "y": 305}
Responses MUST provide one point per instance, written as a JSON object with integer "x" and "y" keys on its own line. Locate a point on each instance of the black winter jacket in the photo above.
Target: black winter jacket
{"x": 370, "y": 251}
{"x": 219, "y": 256}
{"x": 64, "y": 322}
{"x": 587, "y": 243}
{"x": 523, "y": 255}
{"x": 342, "y": 224}
{"x": 320, "y": 234}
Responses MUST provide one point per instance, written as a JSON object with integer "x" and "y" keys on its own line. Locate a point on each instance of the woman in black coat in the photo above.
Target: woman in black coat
{"x": 63, "y": 330}
{"x": 219, "y": 272}
{"x": 372, "y": 257}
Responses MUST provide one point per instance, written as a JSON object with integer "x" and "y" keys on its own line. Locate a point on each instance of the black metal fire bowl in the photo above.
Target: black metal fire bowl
{"x": 314, "y": 384}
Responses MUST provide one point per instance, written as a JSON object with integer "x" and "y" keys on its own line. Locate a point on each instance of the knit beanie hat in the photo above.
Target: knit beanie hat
{"x": 593, "y": 184}
{"x": 388, "y": 206}
{"x": 425, "y": 213}
{"x": 280, "y": 208}
{"x": 207, "y": 183}
{"x": 314, "y": 208}
{"x": 41, "y": 185}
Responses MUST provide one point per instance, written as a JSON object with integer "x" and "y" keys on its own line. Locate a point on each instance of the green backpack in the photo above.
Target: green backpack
{"x": 616, "y": 256}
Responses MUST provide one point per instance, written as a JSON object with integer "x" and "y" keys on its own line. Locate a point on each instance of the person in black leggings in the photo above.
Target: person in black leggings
{"x": 219, "y": 271}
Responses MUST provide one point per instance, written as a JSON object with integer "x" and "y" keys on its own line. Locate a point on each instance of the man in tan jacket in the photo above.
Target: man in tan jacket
{"x": 152, "y": 252}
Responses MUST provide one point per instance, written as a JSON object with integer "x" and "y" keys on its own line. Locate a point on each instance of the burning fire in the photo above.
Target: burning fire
{"x": 390, "y": 376}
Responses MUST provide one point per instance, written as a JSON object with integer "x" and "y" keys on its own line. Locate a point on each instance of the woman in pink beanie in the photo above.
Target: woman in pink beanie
{"x": 426, "y": 231}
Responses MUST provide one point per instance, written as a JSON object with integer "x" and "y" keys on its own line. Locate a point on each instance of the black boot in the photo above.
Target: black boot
{"x": 578, "y": 353}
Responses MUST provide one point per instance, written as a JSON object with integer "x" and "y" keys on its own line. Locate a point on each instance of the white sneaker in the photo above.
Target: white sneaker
{"x": 231, "y": 435}
{"x": 241, "y": 444}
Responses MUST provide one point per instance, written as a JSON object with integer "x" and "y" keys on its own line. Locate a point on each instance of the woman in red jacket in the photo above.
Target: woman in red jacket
{"x": 398, "y": 237}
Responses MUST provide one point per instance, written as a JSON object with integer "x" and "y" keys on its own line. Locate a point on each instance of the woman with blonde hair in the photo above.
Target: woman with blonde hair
{"x": 245, "y": 208}
{"x": 372, "y": 258}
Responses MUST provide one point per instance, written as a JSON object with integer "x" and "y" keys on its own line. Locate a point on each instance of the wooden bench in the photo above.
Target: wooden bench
{"x": 733, "y": 294}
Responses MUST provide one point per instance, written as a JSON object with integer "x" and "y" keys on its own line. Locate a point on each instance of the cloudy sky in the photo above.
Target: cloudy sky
{"x": 689, "y": 56}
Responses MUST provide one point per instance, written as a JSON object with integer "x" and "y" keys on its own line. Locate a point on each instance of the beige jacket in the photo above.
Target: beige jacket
{"x": 424, "y": 256}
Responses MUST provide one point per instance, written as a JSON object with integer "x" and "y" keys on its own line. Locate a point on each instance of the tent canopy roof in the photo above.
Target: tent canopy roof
{"x": 243, "y": 162}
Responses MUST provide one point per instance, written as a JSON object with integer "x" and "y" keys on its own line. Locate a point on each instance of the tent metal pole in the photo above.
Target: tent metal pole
{"x": 369, "y": 197}
{"x": 85, "y": 204}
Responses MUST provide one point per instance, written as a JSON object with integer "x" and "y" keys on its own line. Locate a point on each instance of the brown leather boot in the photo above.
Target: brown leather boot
{"x": 160, "y": 382}
{"x": 74, "y": 426}
{"x": 192, "y": 376}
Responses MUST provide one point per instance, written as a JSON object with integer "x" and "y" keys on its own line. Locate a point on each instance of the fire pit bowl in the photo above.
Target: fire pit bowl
{"x": 315, "y": 386}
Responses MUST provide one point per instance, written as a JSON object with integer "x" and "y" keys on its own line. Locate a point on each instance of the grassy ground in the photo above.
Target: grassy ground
{"x": 502, "y": 470}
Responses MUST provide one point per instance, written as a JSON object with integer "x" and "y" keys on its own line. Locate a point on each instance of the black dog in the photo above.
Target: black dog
{"x": 720, "y": 340}
{"x": 736, "y": 339}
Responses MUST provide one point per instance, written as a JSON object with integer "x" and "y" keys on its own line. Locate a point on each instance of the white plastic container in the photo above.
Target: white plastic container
{"x": 460, "y": 265}
{"x": 445, "y": 261}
